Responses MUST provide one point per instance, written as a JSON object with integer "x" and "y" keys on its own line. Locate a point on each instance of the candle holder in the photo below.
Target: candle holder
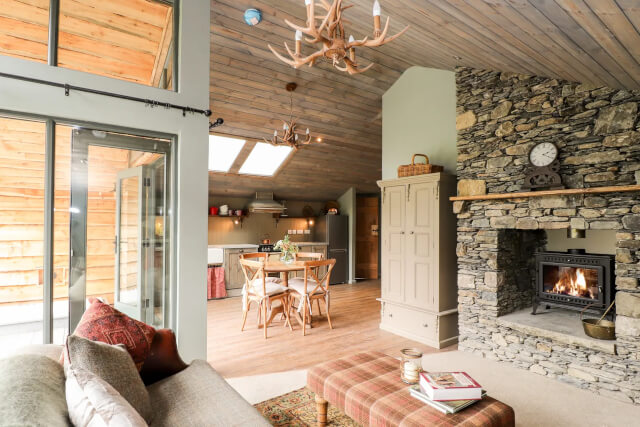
{"x": 410, "y": 365}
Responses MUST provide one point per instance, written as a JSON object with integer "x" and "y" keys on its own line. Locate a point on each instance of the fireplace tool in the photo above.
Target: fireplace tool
{"x": 599, "y": 328}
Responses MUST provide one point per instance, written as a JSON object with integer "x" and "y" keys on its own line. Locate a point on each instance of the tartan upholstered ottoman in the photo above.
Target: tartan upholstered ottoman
{"x": 367, "y": 387}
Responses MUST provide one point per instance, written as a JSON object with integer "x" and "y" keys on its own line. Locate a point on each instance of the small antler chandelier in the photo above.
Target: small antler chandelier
{"x": 331, "y": 36}
{"x": 289, "y": 135}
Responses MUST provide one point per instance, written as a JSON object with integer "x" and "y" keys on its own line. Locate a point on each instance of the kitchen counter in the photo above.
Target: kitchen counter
{"x": 235, "y": 246}
{"x": 311, "y": 243}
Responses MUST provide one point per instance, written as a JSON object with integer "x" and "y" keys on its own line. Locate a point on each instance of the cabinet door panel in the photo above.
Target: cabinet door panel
{"x": 421, "y": 283}
{"x": 233, "y": 270}
{"x": 393, "y": 241}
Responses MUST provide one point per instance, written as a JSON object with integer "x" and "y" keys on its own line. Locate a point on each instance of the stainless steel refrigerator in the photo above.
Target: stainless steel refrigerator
{"x": 334, "y": 229}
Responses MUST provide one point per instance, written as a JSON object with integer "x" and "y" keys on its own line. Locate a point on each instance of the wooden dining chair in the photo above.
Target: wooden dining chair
{"x": 312, "y": 286}
{"x": 262, "y": 290}
{"x": 311, "y": 256}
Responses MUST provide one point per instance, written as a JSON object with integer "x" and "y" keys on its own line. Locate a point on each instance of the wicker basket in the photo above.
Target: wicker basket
{"x": 418, "y": 169}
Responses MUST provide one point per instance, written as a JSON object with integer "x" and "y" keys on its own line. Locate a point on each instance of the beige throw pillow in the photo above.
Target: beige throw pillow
{"x": 92, "y": 402}
{"x": 113, "y": 364}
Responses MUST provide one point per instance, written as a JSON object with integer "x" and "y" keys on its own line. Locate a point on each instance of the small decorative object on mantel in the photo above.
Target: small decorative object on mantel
{"x": 418, "y": 168}
{"x": 410, "y": 365}
{"x": 332, "y": 38}
{"x": 545, "y": 166}
{"x": 288, "y": 249}
{"x": 289, "y": 135}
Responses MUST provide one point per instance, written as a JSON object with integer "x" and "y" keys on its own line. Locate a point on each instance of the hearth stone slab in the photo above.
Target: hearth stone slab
{"x": 555, "y": 324}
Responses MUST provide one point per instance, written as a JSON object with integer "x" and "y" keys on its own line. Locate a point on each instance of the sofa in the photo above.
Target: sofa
{"x": 33, "y": 390}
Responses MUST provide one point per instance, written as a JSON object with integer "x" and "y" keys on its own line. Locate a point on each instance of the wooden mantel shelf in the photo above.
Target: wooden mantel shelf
{"x": 565, "y": 192}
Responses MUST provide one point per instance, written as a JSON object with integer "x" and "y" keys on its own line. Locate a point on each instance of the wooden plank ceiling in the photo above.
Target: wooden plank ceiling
{"x": 591, "y": 41}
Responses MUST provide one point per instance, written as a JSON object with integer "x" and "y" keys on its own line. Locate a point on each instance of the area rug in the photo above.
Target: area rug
{"x": 298, "y": 409}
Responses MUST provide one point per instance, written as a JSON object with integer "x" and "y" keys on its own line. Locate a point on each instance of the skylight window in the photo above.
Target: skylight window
{"x": 265, "y": 159}
{"x": 223, "y": 151}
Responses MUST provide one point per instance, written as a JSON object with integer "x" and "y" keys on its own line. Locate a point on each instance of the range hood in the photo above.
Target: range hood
{"x": 264, "y": 203}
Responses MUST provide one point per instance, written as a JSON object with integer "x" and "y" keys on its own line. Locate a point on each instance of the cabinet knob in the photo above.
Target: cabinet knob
{"x": 411, "y": 232}
{"x": 390, "y": 314}
{"x": 425, "y": 325}
{"x": 402, "y": 232}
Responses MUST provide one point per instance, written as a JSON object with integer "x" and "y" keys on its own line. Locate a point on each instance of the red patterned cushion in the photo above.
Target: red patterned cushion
{"x": 101, "y": 322}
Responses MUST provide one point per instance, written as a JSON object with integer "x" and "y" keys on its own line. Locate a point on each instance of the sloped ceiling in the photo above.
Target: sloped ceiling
{"x": 592, "y": 41}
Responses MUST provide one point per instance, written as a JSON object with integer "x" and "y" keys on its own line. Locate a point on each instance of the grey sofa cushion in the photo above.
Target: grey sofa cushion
{"x": 113, "y": 364}
{"x": 199, "y": 396}
{"x": 32, "y": 392}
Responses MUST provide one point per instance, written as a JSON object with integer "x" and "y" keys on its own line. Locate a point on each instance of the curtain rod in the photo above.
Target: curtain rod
{"x": 149, "y": 102}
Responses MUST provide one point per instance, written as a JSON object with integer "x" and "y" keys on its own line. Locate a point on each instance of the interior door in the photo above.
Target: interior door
{"x": 393, "y": 239}
{"x": 367, "y": 238}
{"x": 120, "y": 225}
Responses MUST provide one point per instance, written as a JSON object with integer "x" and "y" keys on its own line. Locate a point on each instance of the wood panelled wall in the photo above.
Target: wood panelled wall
{"x": 22, "y": 212}
{"x": 125, "y": 39}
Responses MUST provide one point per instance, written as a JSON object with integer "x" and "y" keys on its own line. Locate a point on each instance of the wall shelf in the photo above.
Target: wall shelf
{"x": 564, "y": 192}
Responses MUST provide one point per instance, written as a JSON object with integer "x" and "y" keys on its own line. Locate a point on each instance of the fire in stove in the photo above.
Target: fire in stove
{"x": 573, "y": 281}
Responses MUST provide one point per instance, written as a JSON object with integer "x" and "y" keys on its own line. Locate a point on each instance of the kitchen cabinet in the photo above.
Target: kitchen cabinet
{"x": 418, "y": 280}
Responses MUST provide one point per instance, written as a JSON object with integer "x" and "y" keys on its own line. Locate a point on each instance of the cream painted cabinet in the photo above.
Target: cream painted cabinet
{"x": 418, "y": 281}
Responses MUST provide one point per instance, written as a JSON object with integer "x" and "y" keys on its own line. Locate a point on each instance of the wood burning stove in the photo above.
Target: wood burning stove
{"x": 574, "y": 280}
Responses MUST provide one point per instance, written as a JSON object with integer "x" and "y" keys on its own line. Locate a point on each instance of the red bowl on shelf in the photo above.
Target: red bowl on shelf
{"x": 213, "y": 210}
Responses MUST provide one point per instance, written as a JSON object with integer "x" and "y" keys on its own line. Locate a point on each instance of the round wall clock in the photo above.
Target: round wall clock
{"x": 544, "y": 167}
{"x": 543, "y": 154}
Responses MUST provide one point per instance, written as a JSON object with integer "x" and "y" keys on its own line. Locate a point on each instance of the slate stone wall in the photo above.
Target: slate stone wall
{"x": 597, "y": 129}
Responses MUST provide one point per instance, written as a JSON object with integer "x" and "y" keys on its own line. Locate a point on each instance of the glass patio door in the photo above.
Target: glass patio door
{"x": 119, "y": 222}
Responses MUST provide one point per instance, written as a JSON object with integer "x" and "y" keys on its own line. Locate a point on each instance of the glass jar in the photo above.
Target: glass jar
{"x": 287, "y": 257}
{"x": 410, "y": 365}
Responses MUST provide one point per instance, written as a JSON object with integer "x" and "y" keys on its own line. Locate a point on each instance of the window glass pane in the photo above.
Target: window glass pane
{"x": 265, "y": 159}
{"x": 22, "y": 152}
{"x": 24, "y": 27}
{"x": 223, "y": 152}
{"x": 125, "y": 39}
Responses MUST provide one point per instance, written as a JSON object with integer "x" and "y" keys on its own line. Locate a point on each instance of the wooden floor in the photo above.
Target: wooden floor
{"x": 355, "y": 315}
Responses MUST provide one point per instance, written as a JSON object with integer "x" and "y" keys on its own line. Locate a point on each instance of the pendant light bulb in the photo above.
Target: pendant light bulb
{"x": 376, "y": 8}
{"x": 298, "y": 35}
{"x": 308, "y": 131}
{"x": 351, "y": 39}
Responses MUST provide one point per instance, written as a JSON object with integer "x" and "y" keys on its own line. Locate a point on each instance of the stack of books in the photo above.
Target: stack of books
{"x": 448, "y": 392}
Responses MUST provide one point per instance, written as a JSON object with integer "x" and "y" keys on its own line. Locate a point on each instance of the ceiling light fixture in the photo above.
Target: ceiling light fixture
{"x": 289, "y": 136}
{"x": 332, "y": 38}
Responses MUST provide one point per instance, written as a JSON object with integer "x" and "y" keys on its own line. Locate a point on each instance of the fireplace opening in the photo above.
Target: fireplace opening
{"x": 574, "y": 280}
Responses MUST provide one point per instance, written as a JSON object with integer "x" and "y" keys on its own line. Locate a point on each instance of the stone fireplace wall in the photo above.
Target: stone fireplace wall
{"x": 500, "y": 116}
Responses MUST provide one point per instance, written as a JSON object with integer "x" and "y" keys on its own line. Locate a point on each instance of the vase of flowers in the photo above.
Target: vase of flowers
{"x": 288, "y": 249}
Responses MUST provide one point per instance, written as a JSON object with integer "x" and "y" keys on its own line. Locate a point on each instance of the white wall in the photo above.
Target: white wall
{"x": 347, "y": 204}
{"x": 419, "y": 116}
{"x": 192, "y": 153}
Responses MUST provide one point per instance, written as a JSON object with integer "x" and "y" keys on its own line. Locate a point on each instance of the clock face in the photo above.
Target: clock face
{"x": 543, "y": 154}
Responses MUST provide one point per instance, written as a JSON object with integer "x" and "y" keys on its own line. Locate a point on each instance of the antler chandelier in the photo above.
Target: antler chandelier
{"x": 289, "y": 135}
{"x": 332, "y": 38}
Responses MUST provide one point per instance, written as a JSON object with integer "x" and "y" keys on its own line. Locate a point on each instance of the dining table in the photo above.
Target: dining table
{"x": 277, "y": 266}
